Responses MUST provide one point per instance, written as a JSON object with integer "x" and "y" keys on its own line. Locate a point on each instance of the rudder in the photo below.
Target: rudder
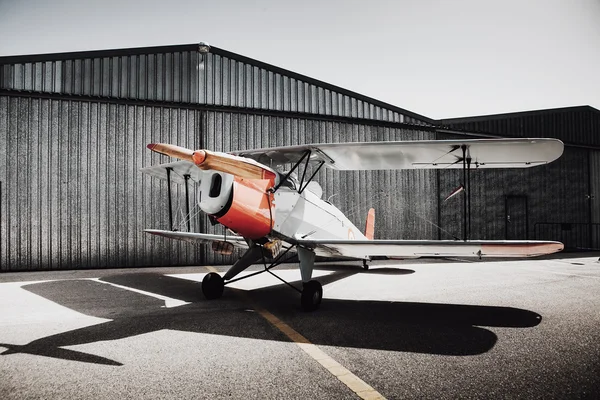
{"x": 370, "y": 225}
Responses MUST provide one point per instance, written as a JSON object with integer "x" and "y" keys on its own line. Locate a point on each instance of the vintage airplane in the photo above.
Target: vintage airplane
{"x": 272, "y": 212}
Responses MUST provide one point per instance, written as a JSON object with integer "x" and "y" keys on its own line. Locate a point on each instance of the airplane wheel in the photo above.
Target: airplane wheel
{"x": 312, "y": 293}
{"x": 212, "y": 286}
{"x": 365, "y": 265}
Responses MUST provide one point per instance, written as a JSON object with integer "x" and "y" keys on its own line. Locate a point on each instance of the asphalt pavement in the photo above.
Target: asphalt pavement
{"x": 404, "y": 329}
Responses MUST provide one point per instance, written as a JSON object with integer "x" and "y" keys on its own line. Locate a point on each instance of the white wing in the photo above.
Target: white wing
{"x": 431, "y": 248}
{"x": 432, "y": 154}
{"x": 192, "y": 237}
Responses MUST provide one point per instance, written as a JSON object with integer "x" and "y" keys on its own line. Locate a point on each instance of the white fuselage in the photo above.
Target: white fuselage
{"x": 306, "y": 216}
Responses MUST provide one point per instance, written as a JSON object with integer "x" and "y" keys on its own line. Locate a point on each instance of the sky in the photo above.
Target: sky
{"x": 437, "y": 58}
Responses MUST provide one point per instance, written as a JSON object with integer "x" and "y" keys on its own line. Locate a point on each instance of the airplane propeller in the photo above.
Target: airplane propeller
{"x": 217, "y": 161}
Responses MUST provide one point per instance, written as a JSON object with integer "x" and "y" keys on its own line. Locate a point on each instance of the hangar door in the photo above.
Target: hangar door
{"x": 516, "y": 217}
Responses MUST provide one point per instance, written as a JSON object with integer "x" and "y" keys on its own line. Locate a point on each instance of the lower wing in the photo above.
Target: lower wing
{"x": 237, "y": 241}
{"x": 431, "y": 248}
{"x": 392, "y": 248}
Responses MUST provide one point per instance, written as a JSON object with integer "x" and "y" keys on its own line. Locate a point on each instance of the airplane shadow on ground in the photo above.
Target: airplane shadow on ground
{"x": 445, "y": 329}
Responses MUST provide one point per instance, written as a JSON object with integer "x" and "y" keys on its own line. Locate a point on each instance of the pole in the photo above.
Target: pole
{"x": 464, "y": 160}
{"x": 468, "y": 189}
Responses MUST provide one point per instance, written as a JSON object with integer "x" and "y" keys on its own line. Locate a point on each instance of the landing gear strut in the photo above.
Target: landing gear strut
{"x": 212, "y": 286}
{"x": 310, "y": 295}
{"x": 365, "y": 265}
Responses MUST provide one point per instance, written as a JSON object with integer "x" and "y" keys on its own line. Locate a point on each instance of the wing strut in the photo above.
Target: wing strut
{"x": 169, "y": 169}
{"x": 296, "y": 166}
{"x": 186, "y": 178}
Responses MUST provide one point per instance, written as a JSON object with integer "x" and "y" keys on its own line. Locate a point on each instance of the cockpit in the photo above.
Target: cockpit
{"x": 293, "y": 183}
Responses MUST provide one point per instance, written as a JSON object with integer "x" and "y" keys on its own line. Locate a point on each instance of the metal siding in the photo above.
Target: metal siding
{"x": 595, "y": 186}
{"x": 162, "y": 76}
{"x": 72, "y": 195}
{"x": 184, "y": 77}
{"x": 555, "y": 192}
{"x": 579, "y": 126}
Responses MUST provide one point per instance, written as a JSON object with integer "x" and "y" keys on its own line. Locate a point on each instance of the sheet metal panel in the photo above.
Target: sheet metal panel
{"x": 72, "y": 194}
{"x": 171, "y": 76}
{"x": 556, "y": 192}
{"x": 189, "y": 77}
{"x": 595, "y": 187}
{"x": 228, "y": 82}
{"x": 574, "y": 125}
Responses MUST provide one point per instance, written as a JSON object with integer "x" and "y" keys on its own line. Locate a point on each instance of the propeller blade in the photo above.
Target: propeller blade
{"x": 217, "y": 161}
{"x": 172, "y": 151}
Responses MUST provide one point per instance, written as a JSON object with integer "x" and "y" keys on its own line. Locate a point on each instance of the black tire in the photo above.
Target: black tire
{"x": 312, "y": 294}
{"x": 212, "y": 286}
{"x": 365, "y": 265}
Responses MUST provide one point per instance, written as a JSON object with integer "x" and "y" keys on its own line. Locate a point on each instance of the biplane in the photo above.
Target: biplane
{"x": 273, "y": 207}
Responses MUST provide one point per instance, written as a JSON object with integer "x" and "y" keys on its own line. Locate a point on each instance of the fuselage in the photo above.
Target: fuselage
{"x": 249, "y": 209}
{"x": 307, "y": 216}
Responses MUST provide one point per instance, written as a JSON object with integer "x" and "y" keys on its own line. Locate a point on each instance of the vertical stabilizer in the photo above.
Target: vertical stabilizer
{"x": 370, "y": 226}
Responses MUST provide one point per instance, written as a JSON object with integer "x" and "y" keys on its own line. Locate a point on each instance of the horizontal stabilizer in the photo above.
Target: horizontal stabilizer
{"x": 432, "y": 248}
{"x": 192, "y": 237}
{"x": 429, "y": 154}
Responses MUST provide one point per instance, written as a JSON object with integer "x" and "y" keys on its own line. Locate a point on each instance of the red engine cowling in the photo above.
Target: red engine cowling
{"x": 251, "y": 211}
{"x": 243, "y": 205}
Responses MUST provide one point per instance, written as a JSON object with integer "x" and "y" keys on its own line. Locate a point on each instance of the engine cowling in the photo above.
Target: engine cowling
{"x": 242, "y": 205}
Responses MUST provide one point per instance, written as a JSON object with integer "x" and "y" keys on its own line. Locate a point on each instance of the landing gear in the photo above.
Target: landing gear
{"x": 212, "y": 286}
{"x": 365, "y": 265}
{"x": 312, "y": 294}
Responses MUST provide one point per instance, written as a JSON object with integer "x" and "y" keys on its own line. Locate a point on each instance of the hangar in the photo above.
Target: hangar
{"x": 73, "y": 130}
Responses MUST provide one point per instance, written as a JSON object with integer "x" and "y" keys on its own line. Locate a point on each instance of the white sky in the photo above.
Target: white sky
{"x": 436, "y": 58}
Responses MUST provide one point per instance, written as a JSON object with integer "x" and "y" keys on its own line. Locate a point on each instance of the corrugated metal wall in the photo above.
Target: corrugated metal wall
{"x": 224, "y": 81}
{"x": 556, "y": 193}
{"x": 188, "y": 77}
{"x": 573, "y": 125}
{"x": 595, "y": 185}
{"x": 73, "y": 197}
{"x": 164, "y": 77}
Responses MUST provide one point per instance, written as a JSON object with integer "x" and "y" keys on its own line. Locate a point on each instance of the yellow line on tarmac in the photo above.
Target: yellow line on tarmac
{"x": 353, "y": 382}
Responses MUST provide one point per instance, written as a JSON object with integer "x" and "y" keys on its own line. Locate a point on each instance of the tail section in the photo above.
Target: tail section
{"x": 370, "y": 226}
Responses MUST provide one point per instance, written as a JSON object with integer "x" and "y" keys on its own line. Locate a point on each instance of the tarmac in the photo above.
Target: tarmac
{"x": 404, "y": 329}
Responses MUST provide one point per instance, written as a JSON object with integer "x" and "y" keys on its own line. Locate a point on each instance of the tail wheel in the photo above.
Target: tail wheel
{"x": 212, "y": 286}
{"x": 312, "y": 294}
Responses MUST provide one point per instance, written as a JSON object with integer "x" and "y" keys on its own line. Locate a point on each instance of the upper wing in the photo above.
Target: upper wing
{"x": 431, "y": 248}
{"x": 178, "y": 168}
{"x": 192, "y": 237}
{"x": 435, "y": 154}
